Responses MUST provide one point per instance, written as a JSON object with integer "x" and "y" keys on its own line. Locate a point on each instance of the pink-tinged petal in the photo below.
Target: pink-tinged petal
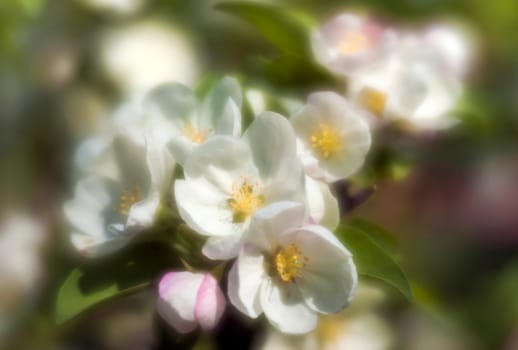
{"x": 210, "y": 303}
{"x": 177, "y": 299}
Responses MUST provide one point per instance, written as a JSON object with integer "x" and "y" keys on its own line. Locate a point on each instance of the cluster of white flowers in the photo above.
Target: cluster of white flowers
{"x": 411, "y": 76}
{"x": 260, "y": 196}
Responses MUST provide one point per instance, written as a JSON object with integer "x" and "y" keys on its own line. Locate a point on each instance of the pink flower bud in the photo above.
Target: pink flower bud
{"x": 189, "y": 299}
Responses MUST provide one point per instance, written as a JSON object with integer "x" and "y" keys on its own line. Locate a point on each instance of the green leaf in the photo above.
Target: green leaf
{"x": 72, "y": 300}
{"x": 298, "y": 72}
{"x": 110, "y": 277}
{"x": 381, "y": 237}
{"x": 372, "y": 260}
{"x": 285, "y": 31}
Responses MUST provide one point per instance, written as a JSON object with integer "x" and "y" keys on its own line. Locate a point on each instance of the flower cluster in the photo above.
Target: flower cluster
{"x": 259, "y": 194}
{"x": 410, "y": 76}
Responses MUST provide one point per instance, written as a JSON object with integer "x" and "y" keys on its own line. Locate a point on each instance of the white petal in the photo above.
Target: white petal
{"x": 229, "y": 122}
{"x": 142, "y": 214}
{"x": 95, "y": 156}
{"x": 177, "y": 299}
{"x": 221, "y": 160}
{"x": 96, "y": 246}
{"x": 272, "y": 141}
{"x": 84, "y": 210}
{"x": 174, "y": 102}
{"x": 284, "y": 307}
{"x": 244, "y": 280}
{"x": 223, "y": 248}
{"x": 269, "y": 222}
{"x": 330, "y": 276}
{"x": 204, "y": 208}
{"x": 160, "y": 164}
{"x": 210, "y": 303}
{"x": 215, "y": 104}
{"x": 180, "y": 148}
{"x": 322, "y": 205}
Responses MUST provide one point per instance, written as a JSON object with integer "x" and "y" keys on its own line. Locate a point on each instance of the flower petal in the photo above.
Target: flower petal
{"x": 223, "y": 248}
{"x": 283, "y": 306}
{"x": 215, "y": 104}
{"x": 177, "y": 299}
{"x": 272, "y": 141}
{"x": 174, "y": 102}
{"x": 210, "y": 303}
{"x": 142, "y": 214}
{"x": 322, "y": 205}
{"x": 202, "y": 206}
{"x": 244, "y": 280}
{"x": 269, "y": 222}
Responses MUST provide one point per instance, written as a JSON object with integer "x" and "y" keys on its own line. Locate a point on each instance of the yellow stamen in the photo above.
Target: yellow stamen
{"x": 195, "y": 135}
{"x": 246, "y": 199}
{"x": 326, "y": 141}
{"x": 127, "y": 198}
{"x": 353, "y": 43}
{"x": 374, "y": 100}
{"x": 289, "y": 262}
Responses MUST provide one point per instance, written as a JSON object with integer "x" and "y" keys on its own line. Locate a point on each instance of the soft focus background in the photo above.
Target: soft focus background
{"x": 450, "y": 198}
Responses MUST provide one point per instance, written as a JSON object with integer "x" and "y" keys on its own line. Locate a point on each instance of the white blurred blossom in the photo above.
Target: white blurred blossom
{"x": 349, "y": 43}
{"x": 142, "y": 55}
{"x": 333, "y": 136}
{"x": 418, "y": 82}
{"x": 22, "y": 238}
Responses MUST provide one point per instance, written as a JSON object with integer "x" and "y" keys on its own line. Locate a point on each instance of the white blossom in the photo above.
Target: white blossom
{"x": 290, "y": 270}
{"x": 333, "y": 136}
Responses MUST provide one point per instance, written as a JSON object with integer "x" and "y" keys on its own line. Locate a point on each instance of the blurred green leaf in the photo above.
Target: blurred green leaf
{"x": 284, "y": 30}
{"x": 298, "y": 72}
{"x": 381, "y": 237}
{"x": 372, "y": 260}
{"x": 72, "y": 300}
{"x": 109, "y": 277}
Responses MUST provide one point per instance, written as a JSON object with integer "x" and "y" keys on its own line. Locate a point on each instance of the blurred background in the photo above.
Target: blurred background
{"x": 450, "y": 198}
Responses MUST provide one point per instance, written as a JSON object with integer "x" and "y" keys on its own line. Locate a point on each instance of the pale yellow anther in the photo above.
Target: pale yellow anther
{"x": 353, "y": 43}
{"x": 246, "y": 199}
{"x": 194, "y": 134}
{"x": 373, "y": 100}
{"x": 127, "y": 198}
{"x": 326, "y": 141}
{"x": 290, "y": 263}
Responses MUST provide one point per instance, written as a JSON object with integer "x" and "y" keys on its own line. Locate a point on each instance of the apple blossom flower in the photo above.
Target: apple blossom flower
{"x": 189, "y": 122}
{"x": 188, "y": 299}
{"x": 333, "y": 136}
{"x": 290, "y": 270}
{"x": 228, "y": 179}
{"x": 413, "y": 83}
{"x": 349, "y": 43}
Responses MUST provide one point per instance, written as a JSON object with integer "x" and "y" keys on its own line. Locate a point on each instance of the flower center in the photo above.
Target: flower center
{"x": 127, "y": 198}
{"x": 326, "y": 140}
{"x": 246, "y": 199}
{"x": 289, "y": 262}
{"x": 353, "y": 43}
{"x": 194, "y": 134}
{"x": 374, "y": 100}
